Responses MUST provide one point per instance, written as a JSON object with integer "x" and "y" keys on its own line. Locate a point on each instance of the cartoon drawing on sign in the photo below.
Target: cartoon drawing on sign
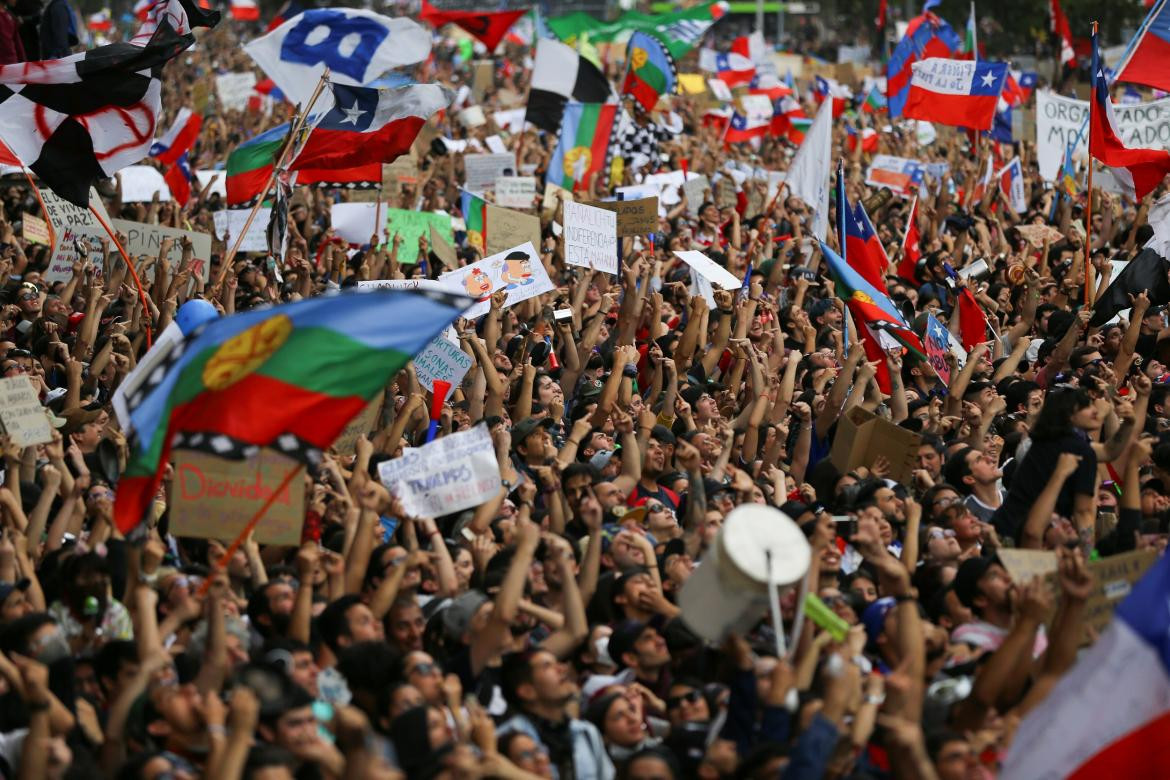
{"x": 479, "y": 285}
{"x": 516, "y": 270}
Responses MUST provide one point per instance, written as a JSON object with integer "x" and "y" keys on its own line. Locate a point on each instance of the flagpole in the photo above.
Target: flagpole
{"x": 1089, "y": 191}
{"x": 44, "y": 211}
{"x": 222, "y": 563}
{"x": 294, "y": 130}
{"x": 133, "y": 272}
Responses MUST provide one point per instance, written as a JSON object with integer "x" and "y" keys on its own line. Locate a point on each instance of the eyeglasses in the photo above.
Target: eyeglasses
{"x": 29, "y": 296}
{"x": 651, "y": 508}
{"x": 426, "y": 668}
{"x": 531, "y": 755}
{"x": 14, "y": 367}
{"x": 690, "y": 697}
{"x": 941, "y": 533}
{"x": 945, "y": 502}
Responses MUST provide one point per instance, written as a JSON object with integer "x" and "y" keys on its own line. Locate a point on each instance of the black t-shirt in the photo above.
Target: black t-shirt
{"x": 1033, "y": 474}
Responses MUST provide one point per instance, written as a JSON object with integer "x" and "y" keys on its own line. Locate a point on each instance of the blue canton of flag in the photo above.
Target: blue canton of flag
{"x": 354, "y": 109}
{"x": 936, "y": 332}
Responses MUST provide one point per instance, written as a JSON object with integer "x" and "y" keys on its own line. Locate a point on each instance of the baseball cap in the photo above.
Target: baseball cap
{"x": 526, "y": 427}
{"x": 625, "y": 635}
{"x": 966, "y": 582}
{"x": 600, "y": 459}
{"x": 76, "y": 418}
{"x": 874, "y": 617}
{"x": 672, "y": 547}
{"x": 458, "y": 614}
{"x": 590, "y": 388}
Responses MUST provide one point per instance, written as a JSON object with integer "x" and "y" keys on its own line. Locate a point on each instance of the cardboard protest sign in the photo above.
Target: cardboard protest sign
{"x": 401, "y": 284}
{"x": 862, "y": 437}
{"x": 229, "y": 223}
{"x": 143, "y": 239}
{"x": 634, "y": 217}
{"x": 234, "y": 89}
{"x": 448, "y": 475}
{"x": 472, "y": 116}
{"x": 355, "y": 222}
{"x": 482, "y": 78}
{"x": 1037, "y": 234}
{"x": 72, "y": 223}
{"x": 1113, "y": 579}
{"x": 591, "y": 237}
{"x": 517, "y": 270}
{"x": 515, "y": 192}
{"x": 140, "y": 183}
{"x": 443, "y": 249}
{"x": 482, "y": 170}
{"x": 695, "y": 186}
{"x": 507, "y": 228}
{"x": 709, "y": 269}
{"x": 25, "y": 421}
{"x": 346, "y": 441}
{"x": 34, "y": 229}
{"x": 549, "y": 204}
{"x": 214, "y": 498}
{"x": 442, "y": 360}
{"x": 1023, "y": 565}
{"x": 411, "y": 225}
{"x": 937, "y": 345}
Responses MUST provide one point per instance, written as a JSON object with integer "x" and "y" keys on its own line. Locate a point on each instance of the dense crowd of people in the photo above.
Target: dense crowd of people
{"x": 539, "y": 634}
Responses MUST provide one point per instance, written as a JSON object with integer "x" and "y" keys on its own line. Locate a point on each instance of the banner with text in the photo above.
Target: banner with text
{"x": 1059, "y": 120}
{"x": 448, "y": 475}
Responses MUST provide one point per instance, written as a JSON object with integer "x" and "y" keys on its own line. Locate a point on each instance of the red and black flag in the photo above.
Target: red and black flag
{"x": 488, "y": 27}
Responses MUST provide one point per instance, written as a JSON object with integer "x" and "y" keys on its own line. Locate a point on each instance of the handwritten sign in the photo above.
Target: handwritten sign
{"x": 412, "y": 225}
{"x": 591, "y": 237}
{"x": 72, "y": 224}
{"x": 234, "y": 89}
{"x": 482, "y": 170}
{"x": 214, "y": 498}
{"x": 1023, "y": 565}
{"x": 143, "y": 239}
{"x": 548, "y": 205}
{"x": 507, "y": 228}
{"x": 518, "y": 271}
{"x": 937, "y": 348}
{"x": 448, "y": 475}
{"x": 695, "y": 186}
{"x": 24, "y": 419}
{"x": 515, "y": 192}
{"x": 402, "y": 284}
{"x": 230, "y": 222}
{"x": 442, "y": 360}
{"x": 634, "y": 217}
{"x": 709, "y": 269}
{"x": 443, "y": 249}
{"x": 346, "y": 441}
{"x": 35, "y": 230}
{"x": 1113, "y": 579}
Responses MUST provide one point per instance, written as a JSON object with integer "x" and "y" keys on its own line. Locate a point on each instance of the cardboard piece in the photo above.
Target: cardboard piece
{"x": 482, "y": 170}
{"x": 346, "y": 441}
{"x": 214, "y": 498}
{"x": 413, "y": 224}
{"x": 24, "y": 420}
{"x": 1035, "y": 234}
{"x": 548, "y": 205}
{"x": 1023, "y": 565}
{"x": 443, "y": 249}
{"x": 34, "y": 229}
{"x": 482, "y": 78}
{"x": 634, "y": 217}
{"x": 507, "y": 229}
{"x": 591, "y": 237}
{"x": 862, "y": 437}
{"x": 143, "y": 239}
{"x": 696, "y": 187}
{"x": 1113, "y": 579}
{"x": 515, "y": 192}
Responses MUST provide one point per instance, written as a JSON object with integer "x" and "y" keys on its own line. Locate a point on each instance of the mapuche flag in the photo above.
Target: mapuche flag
{"x": 488, "y": 27}
{"x": 651, "y": 70}
{"x": 474, "y": 210}
{"x": 583, "y": 147}
{"x": 250, "y": 164}
{"x": 324, "y": 358}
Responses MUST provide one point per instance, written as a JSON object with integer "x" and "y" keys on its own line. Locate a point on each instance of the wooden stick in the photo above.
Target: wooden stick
{"x": 1089, "y": 202}
{"x": 133, "y": 272}
{"x": 44, "y": 211}
{"x": 222, "y": 563}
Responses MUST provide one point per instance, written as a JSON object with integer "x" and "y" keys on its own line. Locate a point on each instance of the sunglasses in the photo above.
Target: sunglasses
{"x": 651, "y": 508}
{"x": 29, "y": 296}
{"x": 690, "y": 697}
{"x": 426, "y": 669}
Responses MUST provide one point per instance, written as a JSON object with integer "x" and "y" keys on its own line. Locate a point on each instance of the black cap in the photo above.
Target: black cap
{"x": 966, "y": 582}
{"x": 526, "y": 427}
{"x": 625, "y": 635}
{"x": 662, "y": 434}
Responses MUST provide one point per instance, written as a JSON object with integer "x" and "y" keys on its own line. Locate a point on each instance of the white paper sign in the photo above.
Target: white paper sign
{"x": 218, "y": 187}
{"x": 141, "y": 182}
{"x": 515, "y": 192}
{"x": 482, "y": 170}
{"x": 355, "y": 222}
{"x": 591, "y": 237}
{"x": 234, "y": 89}
{"x": 696, "y": 187}
{"x": 517, "y": 270}
{"x": 72, "y": 223}
{"x": 1060, "y": 119}
{"x": 495, "y": 144}
{"x": 719, "y": 89}
{"x": 472, "y": 116}
{"x": 231, "y": 222}
{"x": 450, "y": 474}
{"x": 143, "y": 239}
{"x": 444, "y": 361}
{"x": 25, "y": 420}
{"x": 709, "y": 269}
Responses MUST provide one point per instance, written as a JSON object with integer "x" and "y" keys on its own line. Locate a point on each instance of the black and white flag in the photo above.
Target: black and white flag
{"x": 559, "y": 75}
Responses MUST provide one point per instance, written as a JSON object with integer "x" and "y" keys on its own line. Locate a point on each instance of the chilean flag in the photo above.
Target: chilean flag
{"x": 1011, "y": 184}
{"x": 178, "y": 178}
{"x": 863, "y": 249}
{"x": 244, "y": 10}
{"x": 742, "y": 129}
{"x": 869, "y": 139}
{"x": 1060, "y": 27}
{"x": 926, "y": 36}
{"x": 960, "y": 93}
{"x": 1146, "y": 63}
{"x": 1108, "y": 716}
{"x": 177, "y": 141}
{"x": 830, "y": 88}
{"x": 1137, "y": 170}
{"x": 370, "y": 125}
{"x": 99, "y": 22}
{"x": 911, "y": 246}
{"x": 732, "y": 69}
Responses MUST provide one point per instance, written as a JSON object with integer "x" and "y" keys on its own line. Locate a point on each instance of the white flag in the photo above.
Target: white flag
{"x": 808, "y": 175}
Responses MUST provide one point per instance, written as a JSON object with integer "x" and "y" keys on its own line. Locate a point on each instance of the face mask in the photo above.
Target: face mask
{"x": 53, "y": 648}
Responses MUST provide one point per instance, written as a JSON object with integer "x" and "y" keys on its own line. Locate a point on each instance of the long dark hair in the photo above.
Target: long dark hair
{"x": 1055, "y": 419}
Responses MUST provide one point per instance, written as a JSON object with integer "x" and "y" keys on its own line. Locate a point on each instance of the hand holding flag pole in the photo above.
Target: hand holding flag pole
{"x": 297, "y": 126}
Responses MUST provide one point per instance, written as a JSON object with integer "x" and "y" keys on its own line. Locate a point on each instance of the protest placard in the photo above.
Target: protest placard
{"x": 234, "y": 89}
{"x": 482, "y": 76}
{"x": 140, "y": 183}
{"x": 443, "y": 249}
{"x": 143, "y": 239}
{"x": 862, "y": 437}
{"x": 709, "y": 269}
{"x": 472, "y": 116}
{"x": 548, "y": 204}
{"x": 900, "y": 174}
{"x": 1023, "y": 565}
{"x": 507, "y": 228}
{"x": 448, "y": 475}
{"x": 515, "y": 192}
{"x": 482, "y": 170}
{"x": 72, "y": 224}
{"x": 355, "y": 222}
{"x": 1060, "y": 121}
{"x": 402, "y": 284}
{"x": 213, "y": 498}
{"x": 229, "y": 223}
{"x": 1113, "y": 578}
{"x": 591, "y": 237}
{"x": 696, "y": 186}
{"x": 720, "y": 90}
{"x": 634, "y": 217}
{"x": 496, "y": 144}
{"x": 442, "y": 360}
{"x": 937, "y": 345}
{"x": 35, "y": 230}
{"x": 412, "y": 225}
{"x": 363, "y": 424}
{"x": 25, "y": 420}
{"x": 517, "y": 270}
